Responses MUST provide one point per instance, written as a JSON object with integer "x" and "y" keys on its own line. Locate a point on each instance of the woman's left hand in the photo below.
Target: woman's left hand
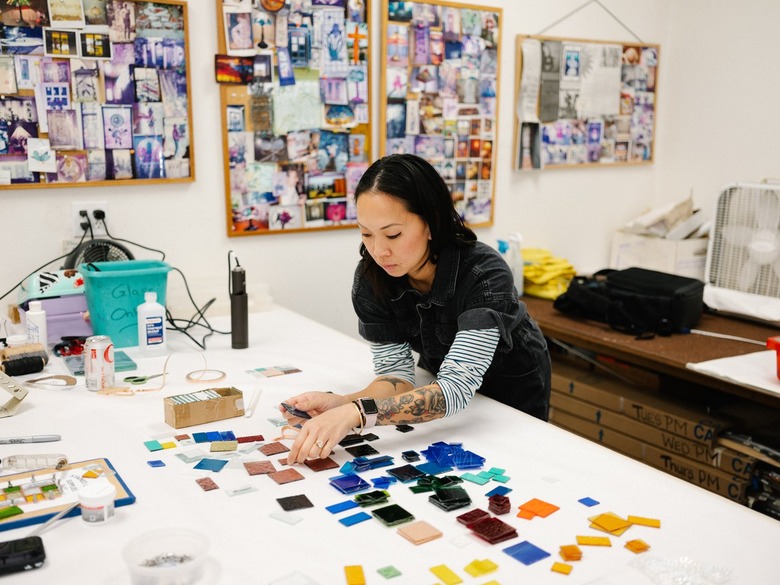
{"x": 320, "y": 434}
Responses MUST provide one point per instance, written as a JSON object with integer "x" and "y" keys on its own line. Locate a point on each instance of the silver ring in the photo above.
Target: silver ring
{"x": 319, "y": 444}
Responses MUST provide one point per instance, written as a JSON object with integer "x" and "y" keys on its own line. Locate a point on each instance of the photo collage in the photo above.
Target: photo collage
{"x": 440, "y": 85}
{"x": 596, "y": 103}
{"x": 93, "y": 91}
{"x": 295, "y": 93}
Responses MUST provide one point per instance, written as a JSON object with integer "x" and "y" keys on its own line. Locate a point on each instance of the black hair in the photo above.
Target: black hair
{"x": 415, "y": 183}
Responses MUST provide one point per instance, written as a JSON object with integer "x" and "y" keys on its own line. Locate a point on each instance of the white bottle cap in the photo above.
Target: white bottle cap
{"x": 35, "y": 306}
{"x": 150, "y": 296}
{"x": 16, "y": 340}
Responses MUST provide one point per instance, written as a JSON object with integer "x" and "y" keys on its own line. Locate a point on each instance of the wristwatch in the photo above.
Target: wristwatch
{"x": 367, "y": 407}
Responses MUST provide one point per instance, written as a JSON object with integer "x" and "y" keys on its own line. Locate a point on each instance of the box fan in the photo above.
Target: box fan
{"x": 742, "y": 272}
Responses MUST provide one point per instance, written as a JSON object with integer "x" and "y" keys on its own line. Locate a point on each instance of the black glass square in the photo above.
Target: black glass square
{"x": 392, "y": 515}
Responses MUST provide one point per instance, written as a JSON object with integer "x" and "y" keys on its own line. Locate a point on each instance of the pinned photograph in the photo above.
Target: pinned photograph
{"x": 96, "y": 165}
{"x": 23, "y": 40}
{"x": 40, "y": 156}
{"x": 285, "y": 217}
{"x": 148, "y": 157}
{"x": 177, "y": 139}
{"x": 27, "y": 71}
{"x": 263, "y": 67}
{"x": 94, "y": 45}
{"x": 148, "y": 118}
{"x": 27, "y": 13}
{"x": 121, "y": 21}
{"x": 60, "y": 43}
{"x": 71, "y": 167}
{"x": 92, "y": 125}
{"x": 147, "y": 84}
{"x": 117, "y": 127}
{"x": 119, "y": 164}
{"x": 238, "y": 31}
{"x": 85, "y": 83}
{"x": 65, "y": 130}
{"x": 234, "y": 70}
{"x": 7, "y": 75}
{"x": 95, "y": 12}
{"x": 66, "y": 13}
{"x": 118, "y": 83}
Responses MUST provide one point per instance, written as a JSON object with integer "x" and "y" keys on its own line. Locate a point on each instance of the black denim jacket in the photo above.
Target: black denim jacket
{"x": 473, "y": 289}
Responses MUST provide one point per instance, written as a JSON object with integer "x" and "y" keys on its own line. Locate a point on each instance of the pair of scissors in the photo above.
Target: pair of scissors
{"x": 138, "y": 380}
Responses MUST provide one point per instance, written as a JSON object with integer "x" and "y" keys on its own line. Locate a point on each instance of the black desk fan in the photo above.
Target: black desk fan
{"x": 96, "y": 250}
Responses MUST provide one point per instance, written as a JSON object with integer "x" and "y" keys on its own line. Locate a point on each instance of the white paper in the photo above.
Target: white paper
{"x": 756, "y": 370}
{"x": 40, "y": 157}
{"x": 600, "y": 81}
{"x": 530, "y": 81}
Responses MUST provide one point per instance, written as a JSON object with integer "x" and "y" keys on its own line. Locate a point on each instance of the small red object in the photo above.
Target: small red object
{"x": 774, "y": 343}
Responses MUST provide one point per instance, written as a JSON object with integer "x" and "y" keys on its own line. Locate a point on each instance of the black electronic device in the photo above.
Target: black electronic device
{"x": 295, "y": 412}
{"x": 239, "y": 308}
{"x": 22, "y": 554}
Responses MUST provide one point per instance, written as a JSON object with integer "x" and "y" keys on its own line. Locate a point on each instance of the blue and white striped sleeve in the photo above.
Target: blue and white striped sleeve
{"x": 464, "y": 366}
{"x": 395, "y": 359}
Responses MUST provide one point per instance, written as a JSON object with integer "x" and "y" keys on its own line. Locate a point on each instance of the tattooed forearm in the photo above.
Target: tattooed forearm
{"x": 416, "y": 406}
{"x": 394, "y": 381}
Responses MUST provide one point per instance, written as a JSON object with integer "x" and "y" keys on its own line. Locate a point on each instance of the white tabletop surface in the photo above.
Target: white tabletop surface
{"x": 701, "y": 533}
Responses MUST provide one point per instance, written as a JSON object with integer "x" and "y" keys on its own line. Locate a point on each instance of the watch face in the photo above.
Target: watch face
{"x": 369, "y": 406}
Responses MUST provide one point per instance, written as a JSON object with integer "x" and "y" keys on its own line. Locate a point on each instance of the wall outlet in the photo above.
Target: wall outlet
{"x": 98, "y": 227}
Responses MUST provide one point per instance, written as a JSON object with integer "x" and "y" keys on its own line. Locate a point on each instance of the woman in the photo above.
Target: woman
{"x": 425, "y": 284}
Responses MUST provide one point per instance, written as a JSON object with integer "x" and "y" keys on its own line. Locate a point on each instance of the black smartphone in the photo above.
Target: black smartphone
{"x": 295, "y": 412}
{"x": 21, "y": 554}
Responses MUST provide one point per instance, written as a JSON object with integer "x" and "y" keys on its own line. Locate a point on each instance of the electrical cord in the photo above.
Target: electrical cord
{"x": 102, "y": 217}
{"x": 18, "y": 284}
{"x": 197, "y": 320}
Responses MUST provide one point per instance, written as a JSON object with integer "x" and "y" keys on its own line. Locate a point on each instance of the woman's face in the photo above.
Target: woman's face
{"x": 395, "y": 238}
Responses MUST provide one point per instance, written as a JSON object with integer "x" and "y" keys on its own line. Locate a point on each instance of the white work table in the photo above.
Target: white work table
{"x": 698, "y": 528}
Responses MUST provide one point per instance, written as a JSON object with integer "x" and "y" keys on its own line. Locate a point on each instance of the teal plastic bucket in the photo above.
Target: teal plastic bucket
{"x": 115, "y": 289}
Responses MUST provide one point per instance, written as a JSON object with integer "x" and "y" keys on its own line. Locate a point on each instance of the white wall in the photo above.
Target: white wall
{"x": 717, "y": 121}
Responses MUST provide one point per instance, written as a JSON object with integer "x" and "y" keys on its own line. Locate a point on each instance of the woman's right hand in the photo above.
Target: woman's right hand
{"x": 314, "y": 403}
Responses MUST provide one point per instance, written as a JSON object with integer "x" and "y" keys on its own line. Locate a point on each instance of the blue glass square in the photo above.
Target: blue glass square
{"x": 200, "y": 437}
{"x": 355, "y": 519}
{"x": 341, "y": 506}
{"x": 526, "y": 553}
{"x": 227, "y": 436}
{"x": 589, "y": 502}
{"x": 213, "y": 436}
{"x": 500, "y": 490}
{"x": 211, "y": 464}
{"x": 155, "y": 463}
{"x": 348, "y": 484}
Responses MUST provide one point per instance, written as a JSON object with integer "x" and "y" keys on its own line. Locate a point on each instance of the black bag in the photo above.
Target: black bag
{"x": 635, "y": 300}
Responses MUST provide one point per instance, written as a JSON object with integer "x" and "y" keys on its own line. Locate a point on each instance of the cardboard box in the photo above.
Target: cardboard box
{"x": 648, "y": 408}
{"x": 704, "y": 476}
{"x": 682, "y": 257}
{"x": 726, "y": 460}
{"x": 203, "y": 406}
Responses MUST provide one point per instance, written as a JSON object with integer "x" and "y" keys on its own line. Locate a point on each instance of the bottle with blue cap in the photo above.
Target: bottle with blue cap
{"x": 151, "y": 326}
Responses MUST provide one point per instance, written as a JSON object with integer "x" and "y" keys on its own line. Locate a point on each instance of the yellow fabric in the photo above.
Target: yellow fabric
{"x": 544, "y": 275}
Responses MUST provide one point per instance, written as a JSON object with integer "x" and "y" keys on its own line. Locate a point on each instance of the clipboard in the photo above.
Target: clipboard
{"x": 37, "y": 512}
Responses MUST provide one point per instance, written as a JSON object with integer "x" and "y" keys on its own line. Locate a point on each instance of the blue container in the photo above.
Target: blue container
{"x": 115, "y": 289}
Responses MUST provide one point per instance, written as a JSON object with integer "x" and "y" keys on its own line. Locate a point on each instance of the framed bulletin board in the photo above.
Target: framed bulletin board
{"x": 584, "y": 103}
{"x": 439, "y": 95}
{"x": 295, "y": 98}
{"x": 94, "y": 93}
